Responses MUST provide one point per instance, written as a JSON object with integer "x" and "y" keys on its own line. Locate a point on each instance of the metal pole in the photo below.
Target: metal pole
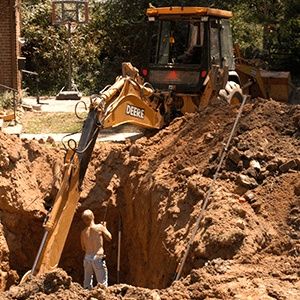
{"x": 119, "y": 251}
{"x": 39, "y": 253}
{"x": 37, "y": 90}
{"x": 210, "y": 190}
{"x": 70, "y": 68}
{"x": 14, "y": 93}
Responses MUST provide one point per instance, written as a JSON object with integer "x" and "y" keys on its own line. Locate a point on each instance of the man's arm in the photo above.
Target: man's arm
{"x": 105, "y": 232}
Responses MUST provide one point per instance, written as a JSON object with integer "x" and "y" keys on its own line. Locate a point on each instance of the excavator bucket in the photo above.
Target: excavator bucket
{"x": 267, "y": 84}
{"x": 279, "y": 85}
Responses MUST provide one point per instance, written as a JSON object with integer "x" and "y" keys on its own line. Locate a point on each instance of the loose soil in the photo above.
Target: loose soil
{"x": 156, "y": 186}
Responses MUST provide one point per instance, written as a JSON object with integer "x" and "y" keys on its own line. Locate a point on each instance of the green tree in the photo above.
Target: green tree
{"x": 117, "y": 32}
{"x": 46, "y": 49}
{"x": 271, "y": 29}
{"x": 285, "y": 47}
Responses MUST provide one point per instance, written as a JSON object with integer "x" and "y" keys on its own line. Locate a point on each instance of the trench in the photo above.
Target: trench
{"x": 156, "y": 219}
{"x": 144, "y": 261}
{"x": 133, "y": 197}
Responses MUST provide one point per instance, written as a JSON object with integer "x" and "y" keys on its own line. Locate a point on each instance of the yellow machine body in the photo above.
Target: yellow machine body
{"x": 189, "y": 11}
{"x": 278, "y": 85}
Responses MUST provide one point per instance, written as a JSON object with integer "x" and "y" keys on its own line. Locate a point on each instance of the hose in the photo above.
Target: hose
{"x": 85, "y": 107}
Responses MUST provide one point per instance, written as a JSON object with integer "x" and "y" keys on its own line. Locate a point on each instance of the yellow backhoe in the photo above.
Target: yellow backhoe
{"x": 190, "y": 61}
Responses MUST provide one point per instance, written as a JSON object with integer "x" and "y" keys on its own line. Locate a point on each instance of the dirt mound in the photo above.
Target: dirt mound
{"x": 157, "y": 186}
{"x": 55, "y": 284}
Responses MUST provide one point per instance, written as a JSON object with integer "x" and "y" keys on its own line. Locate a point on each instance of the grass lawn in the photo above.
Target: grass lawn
{"x": 50, "y": 122}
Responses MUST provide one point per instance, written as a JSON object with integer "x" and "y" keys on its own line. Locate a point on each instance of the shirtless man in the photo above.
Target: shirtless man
{"x": 92, "y": 244}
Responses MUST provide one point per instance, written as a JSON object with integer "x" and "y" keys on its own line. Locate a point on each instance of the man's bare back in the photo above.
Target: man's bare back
{"x": 92, "y": 239}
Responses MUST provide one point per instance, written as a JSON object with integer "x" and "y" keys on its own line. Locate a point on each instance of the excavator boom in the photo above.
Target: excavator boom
{"x": 60, "y": 218}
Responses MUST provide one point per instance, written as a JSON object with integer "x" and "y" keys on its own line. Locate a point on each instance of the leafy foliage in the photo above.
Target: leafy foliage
{"x": 7, "y": 100}
{"x": 117, "y": 31}
{"x": 46, "y": 48}
{"x": 276, "y": 25}
{"x": 286, "y": 40}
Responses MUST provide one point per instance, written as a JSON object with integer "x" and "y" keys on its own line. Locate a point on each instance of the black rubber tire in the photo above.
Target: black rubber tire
{"x": 232, "y": 93}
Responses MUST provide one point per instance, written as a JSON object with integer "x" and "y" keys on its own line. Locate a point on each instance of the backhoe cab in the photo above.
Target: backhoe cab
{"x": 184, "y": 43}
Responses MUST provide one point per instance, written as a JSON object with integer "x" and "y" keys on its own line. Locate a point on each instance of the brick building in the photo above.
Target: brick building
{"x": 10, "y": 48}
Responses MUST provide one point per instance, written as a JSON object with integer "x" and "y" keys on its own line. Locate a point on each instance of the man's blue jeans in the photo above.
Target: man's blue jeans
{"x": 94, "y": 264}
